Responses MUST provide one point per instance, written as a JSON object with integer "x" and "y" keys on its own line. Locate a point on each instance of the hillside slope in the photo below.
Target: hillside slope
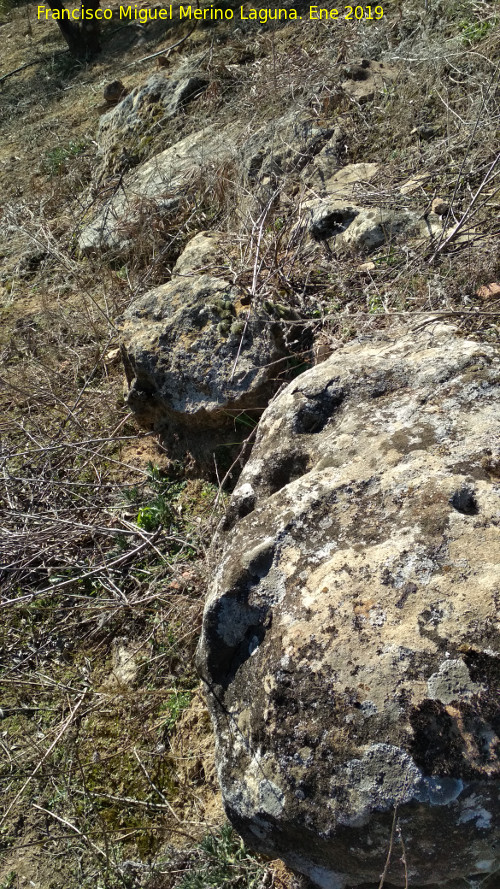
{"x": 107, "y": 751}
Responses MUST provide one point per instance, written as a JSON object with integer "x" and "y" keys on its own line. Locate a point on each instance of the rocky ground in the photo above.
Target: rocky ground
{"x": 341, "y": 181}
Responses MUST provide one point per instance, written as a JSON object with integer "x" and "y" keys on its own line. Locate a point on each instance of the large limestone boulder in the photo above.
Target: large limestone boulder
{"x": 201, "y": 363}
{"x": 159, "y": 184}
{"x": 348, "y": 215}
{"x": 350, "y": 637}
{"x": 125, "y": 131}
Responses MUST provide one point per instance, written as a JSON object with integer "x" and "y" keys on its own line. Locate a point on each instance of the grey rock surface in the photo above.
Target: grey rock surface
{"x": 365, "y": 78}
{"x": 284, "y": 145}
{"x": 196, "y": 357}
{"x": 346, "y": 212}
{"x": 163, "y": 181}
{"x": 124, "y": 131}
{"x": 326, "y": 176}
{"x": 260, "y": 158}
{"x": 366, "y": 228}
{"x": 350, "y": 644}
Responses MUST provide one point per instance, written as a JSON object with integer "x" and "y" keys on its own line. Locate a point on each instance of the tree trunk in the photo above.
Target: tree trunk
{"x": 81, "y": 36}
{"x": 91, "y": 29}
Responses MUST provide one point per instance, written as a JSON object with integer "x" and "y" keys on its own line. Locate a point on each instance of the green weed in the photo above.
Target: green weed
{"x": 375, "y": 303}
{"x": 246, "y": 420}
{"x": 474, "y": 32}
{"x": 160, "y": 509}
{"x": 56, "y": 159}
{"x": 222, "y": 860}
{"x": 296, "y": 366}
{"x": 173, "y": 707}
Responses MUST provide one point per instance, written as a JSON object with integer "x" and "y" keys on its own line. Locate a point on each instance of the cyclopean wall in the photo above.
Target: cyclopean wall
{"x": 350, "y": 637}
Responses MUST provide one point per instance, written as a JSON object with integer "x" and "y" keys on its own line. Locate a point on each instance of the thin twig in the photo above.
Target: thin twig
{"x": 253, "y": 290}
{"x": 389, "y": 852}
{"x": 468, "y": 212}
{"x": 132, "y": 802}
{"x": 59, "y": 735}
{"x": 72, "y": 827}
{"x": 104, "y": 567}
{"x": 162, "y": 52}
{"x": 403, "y": 852}
{"x": 59, "y": 52}
{"x": 153, "y": 785}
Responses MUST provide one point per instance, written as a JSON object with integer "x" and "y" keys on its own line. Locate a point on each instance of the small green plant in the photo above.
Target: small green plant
{"x": 174, "y": 705}
{"x": 245, "y": 419}
{"x": 222, "y": 860}
{"x": 160, "y": 509}
{"x": 375, "y": 303}
{"x": 56, "y": 159}
{"x": 335, "y": 305}
{"x": 149, "y": 518}
{"x": 473, "y": 32}
{"x": 276, "y": 226}
{"x": 132, "y": 494}
{"x": 296, "y": 366}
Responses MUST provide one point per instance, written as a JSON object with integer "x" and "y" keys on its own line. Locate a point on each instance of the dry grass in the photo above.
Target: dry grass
{"x": 101, "y": 566}
{"x": 106, "y": 746}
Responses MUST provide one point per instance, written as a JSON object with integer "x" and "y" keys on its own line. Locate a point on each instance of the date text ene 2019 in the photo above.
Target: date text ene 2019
{"x": 318, "y": 13}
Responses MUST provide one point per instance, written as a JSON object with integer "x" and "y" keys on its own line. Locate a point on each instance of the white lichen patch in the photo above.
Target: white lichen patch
{"x": 384, "y": 777}
{"x": 452, "y": 682}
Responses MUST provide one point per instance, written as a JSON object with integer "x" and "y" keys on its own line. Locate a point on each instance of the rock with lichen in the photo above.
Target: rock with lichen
{"x": 365, "y": 78}
{"x": 350, "y": 645}
{"x": 197, "y": 356}
{"x": 124, "y": 131}
{"x": 157, "y": 187}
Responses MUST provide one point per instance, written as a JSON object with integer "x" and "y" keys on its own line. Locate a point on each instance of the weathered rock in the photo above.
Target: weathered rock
{"x": 325, "y": 163}
{"x": 350, "y": 636}
{"x": 440, "y": 207}
{"x": 283, "y": 145}
{"x": 114, "y": 91}
{"x": 126, "y": 130}
{"x": 164, "y": 180}
{"x": 278, "y": 147}
{"x": 415, "y": 184}
{"x": 196, "y": 357}
{"x": 358, "y": 227}
{"x": 350, "y": 180}
{"x": 200, "y": 252}
{"x": 366, "y": 228}
{"x": 340, "y": 213}
{"x": 325, "y": 175}
{"x": 365, "y": 78}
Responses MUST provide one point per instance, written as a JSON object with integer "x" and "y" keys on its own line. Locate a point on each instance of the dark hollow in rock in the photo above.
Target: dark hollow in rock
{"x": 318, "y": 411}
{"x": 350, "y": 644}
{"x": 283, "y": 469}
{"x": 332, "y": 224}
{"x": 464, "y": 501}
